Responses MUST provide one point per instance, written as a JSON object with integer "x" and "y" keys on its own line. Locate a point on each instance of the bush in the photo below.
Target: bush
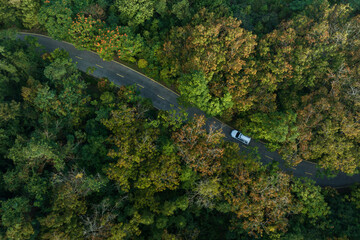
{"x": 142, "y": 63}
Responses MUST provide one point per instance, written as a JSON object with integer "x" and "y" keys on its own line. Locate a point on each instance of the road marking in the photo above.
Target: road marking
{"x": 140, "y": 85}
{"x": 261, "y": 142}
{"x": 120, "y": 75}
{"x": 78, "y": 57}
{"x": 111, "y": 60}
{"x": 269, "y": 157}
{"x": 293, "y": 168}
{"x": 145, "y": 76}
{"x": 99, "y": 66}
{"x": 245, "y": 147}
{"x": 308, "y": 173}
{"x": 161, "y": 97}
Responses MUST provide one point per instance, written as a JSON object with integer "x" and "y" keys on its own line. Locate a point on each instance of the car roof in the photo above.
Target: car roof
{"x": 246, "y": 138}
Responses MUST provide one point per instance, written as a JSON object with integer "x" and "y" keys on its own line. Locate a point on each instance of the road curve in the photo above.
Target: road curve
{"x": 163, "y": 98}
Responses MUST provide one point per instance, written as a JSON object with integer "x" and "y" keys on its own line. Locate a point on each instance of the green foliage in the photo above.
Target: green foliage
{"x": 15, "y": 216}
{"x": 194, "y": 89}
{"x": 302, "y": 62}
{"x": 161, "y": 222}
{"x": 7, "y": 14}
{"x": 276, "y": 128}
{"x": 21, "y": 13}
{"x": 263, "y": 16}
{"x": 297, "y": 5}
{"x": 136, "y": 153}
{"x": 188, "y": 177}
{"x": 135, "y": 12}
{"x": 172, "y": 119}
{"x": 354, "y": 197}
{"x": 63, "y": 221}
{"x": 312, "y": 202}
{"x": 35, "y": 153}
{"x": 181, "y": 9}
{"x": 82, "y": 159}
{"x": 55, "y": 16}
{"x": 29, "y": 10}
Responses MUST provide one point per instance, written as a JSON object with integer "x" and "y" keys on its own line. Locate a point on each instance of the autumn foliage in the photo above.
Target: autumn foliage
{"x": 88, "y": 33}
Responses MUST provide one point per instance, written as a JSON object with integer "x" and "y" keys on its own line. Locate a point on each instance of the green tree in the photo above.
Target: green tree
{"x": 16, "y": 218}
{"x": 7, "y": 14}
{"x": 63, "y": 96}
{"x": 313, "y": 204}
{"x": 181, "y": 9}
{"x": 135, "y": 12}
{"x": 55, "y": 16}
{"x": 276, "y": 128}
{"x": 194, "y": 89}
{"x": 22, "y": 13}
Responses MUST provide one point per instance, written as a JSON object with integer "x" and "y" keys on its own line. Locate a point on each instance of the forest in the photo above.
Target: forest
{"x": 82, "y": 158}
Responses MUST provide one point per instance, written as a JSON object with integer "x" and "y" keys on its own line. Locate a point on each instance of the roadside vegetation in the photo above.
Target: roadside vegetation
{"x": 84, "y": 159}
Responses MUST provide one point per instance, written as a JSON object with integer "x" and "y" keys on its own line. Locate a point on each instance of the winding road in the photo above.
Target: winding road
{"x": 163, "y": 98}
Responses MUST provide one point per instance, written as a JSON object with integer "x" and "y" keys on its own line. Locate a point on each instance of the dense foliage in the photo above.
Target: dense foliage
{"x": 282, "y": 71}
{"x": 82, "y": 159}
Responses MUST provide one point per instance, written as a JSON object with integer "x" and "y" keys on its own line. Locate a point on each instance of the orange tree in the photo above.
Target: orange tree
{"x": 92, "y": 34}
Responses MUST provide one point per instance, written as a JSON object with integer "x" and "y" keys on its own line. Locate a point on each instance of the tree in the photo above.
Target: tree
{"x": 88, "y": 33}
{"x": 63, "y": 96}
{"x": 260, "y": 200}
{"x": 20, "y": 13}
{"x": 135, "y": 12}
{"x": 276, "y": 128}
{"x": 141, "y": 165}
{"x": 62, "y": 220}
{"x": 98, "y": 222}
{"x": 16, "y": 217}
{"x": 7, "y": 14}
{"x": 29, "y": 12}
{"x": 262, "y": 16}
{"x": 313, "y": 204}
{"x": 200, "y": 150}
{"x": 55, "y": 16}
{"x": 194, "y": 89}
{"x": 219, "y": 48}
{"x": 302, "y": 63}
{"x": 324, "y": 134}
{"x": 181, "y": 10}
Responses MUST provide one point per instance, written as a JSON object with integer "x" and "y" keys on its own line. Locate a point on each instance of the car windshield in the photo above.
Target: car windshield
{"x": 237, "y": 134}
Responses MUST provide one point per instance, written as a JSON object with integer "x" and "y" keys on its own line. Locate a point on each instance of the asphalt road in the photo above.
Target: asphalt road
{"x": 163, "y": 98}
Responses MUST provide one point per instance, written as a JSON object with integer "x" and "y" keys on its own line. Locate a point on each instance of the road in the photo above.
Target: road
{"x": 163, "y": 98}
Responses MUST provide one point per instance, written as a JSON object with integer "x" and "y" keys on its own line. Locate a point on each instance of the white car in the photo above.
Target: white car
{"x": 241, "y": 137}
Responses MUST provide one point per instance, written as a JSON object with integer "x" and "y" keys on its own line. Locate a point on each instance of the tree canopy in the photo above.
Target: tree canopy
{"x": 84, "y": 159}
